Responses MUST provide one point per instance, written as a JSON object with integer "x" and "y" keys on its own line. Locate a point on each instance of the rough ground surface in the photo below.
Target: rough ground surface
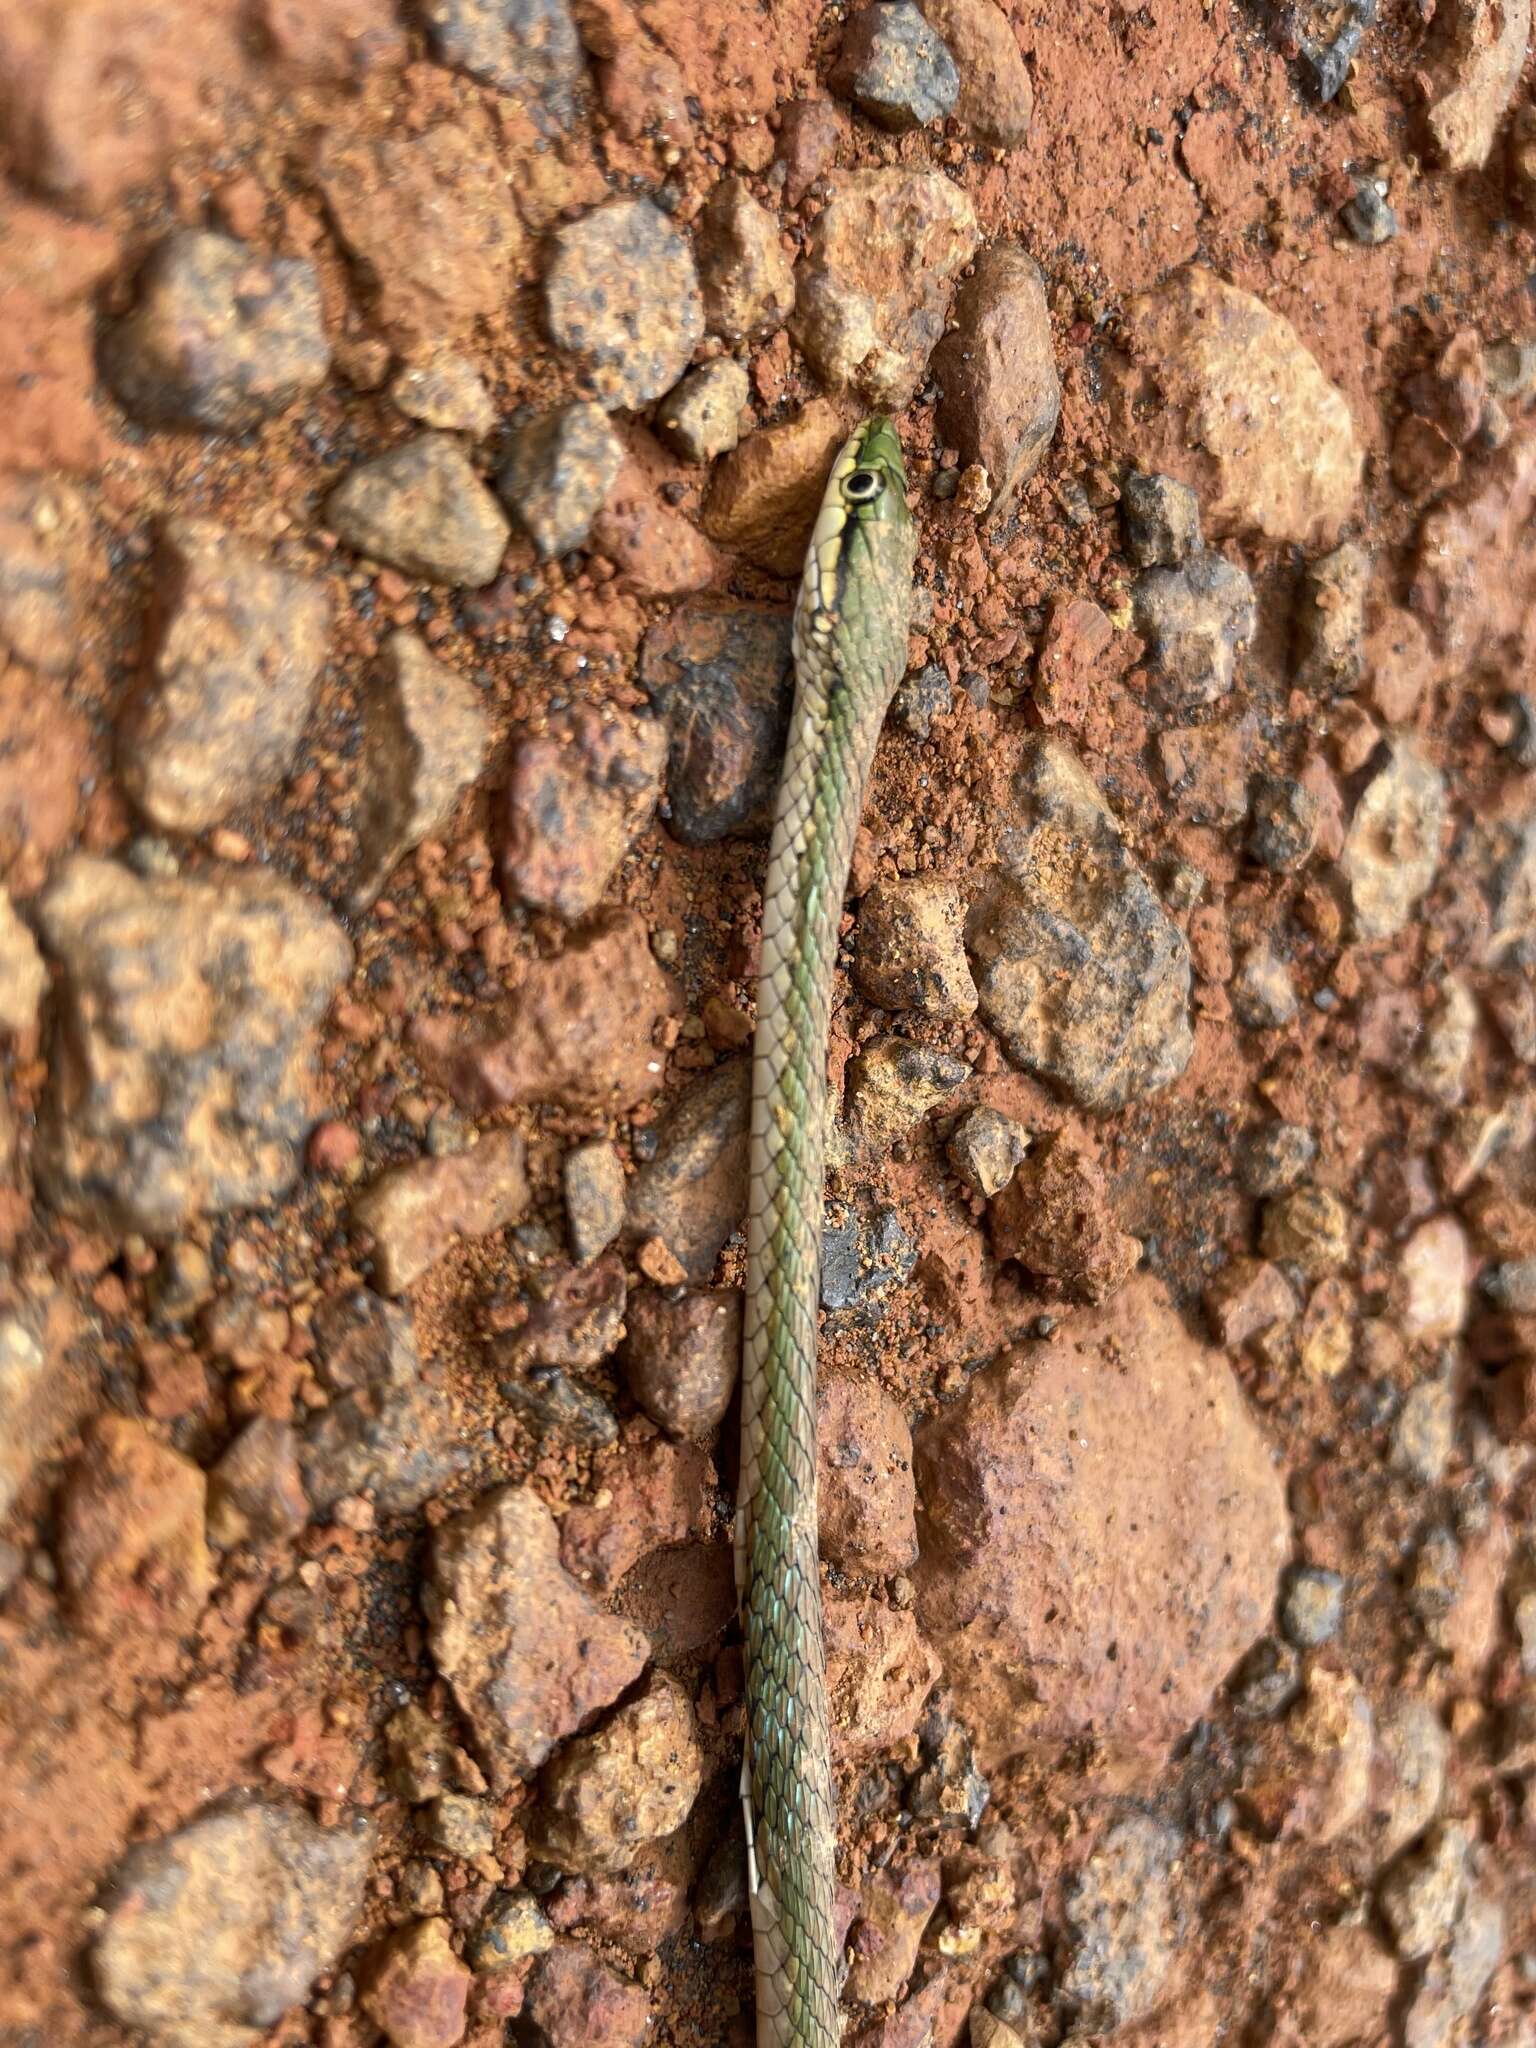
{"x": 412, "y": 419}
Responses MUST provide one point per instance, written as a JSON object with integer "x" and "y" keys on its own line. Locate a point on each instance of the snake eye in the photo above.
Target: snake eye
{"x": 863, "y": 487}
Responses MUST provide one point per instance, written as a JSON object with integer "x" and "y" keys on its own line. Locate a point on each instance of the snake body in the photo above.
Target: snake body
{"x": 849, "y": 641}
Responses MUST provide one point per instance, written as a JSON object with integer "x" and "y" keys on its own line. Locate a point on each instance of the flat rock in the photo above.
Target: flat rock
{"x": 880, "y": 1671}
{"x": 764, "y": 495}
{"x": 872, "y": 288}
{"x": 682, "y": 1355}
{"x": 233, "y": 678}
{"x": 416, "y": 1213}
{"x": 45, "y": 761}
{"x": 1001, "y": 394}
{"x": 1054, "y": 1216}
{"x": 721, "y": 677}
{"x": 1058, "y": 1612}
{"x": 909, "y": 949}
{"x": 221, "y": 337}
{"x": 131, "y": 1543}
{"x": 1123, "y": 1930}
{"x": 559, "y": 473}
{"x": 218, "y": 1930}
{"x": 422, "y": 508}
{"x": 186, "y": 1011}
{"x": 1222, "y": 393}
{"x": 576, "y": 2001}
{"x": 1078, "y": 968}
{"x": 592, "y": 1181}
{"x": 621, "y": 294}
{"x": 864, "y": 1477}
{"x": 575, "y": 800}
{"x": 693, "y": 1192}
{"x": 657, "y": 551}
{"x": 425, "y": 739}
{"x": 529, "y": 1655}
{"x": 747, "y": 281}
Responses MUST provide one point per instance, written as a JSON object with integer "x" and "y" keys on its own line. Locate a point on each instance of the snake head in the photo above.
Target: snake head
{"x": 855, "y": 597}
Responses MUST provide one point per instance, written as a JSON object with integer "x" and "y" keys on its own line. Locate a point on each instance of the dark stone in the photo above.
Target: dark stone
{"x": 1162, "y": 520}
{"x": 527, "y": 49}
{"x": 920, "y": 698}
{"x": 894, "y": 68}
{"x": 722, "y": 679}
{"x": 1285, "y": 821}
{"x": 866, "y": 1250}
{"x": 549, "y": 1403}
{"x": 1368, "y": 216}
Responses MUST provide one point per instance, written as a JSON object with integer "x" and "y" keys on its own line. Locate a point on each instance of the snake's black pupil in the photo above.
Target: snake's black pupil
{"x": 863, "y": 484}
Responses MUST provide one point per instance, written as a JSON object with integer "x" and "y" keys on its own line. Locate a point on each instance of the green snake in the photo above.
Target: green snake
{"x": 850, "y": 647}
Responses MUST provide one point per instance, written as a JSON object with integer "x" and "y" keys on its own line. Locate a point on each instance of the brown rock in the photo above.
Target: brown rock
{"x": 416, "y": 1213}
{"x": 582, "y": 1030}
{"x": 657, "y": 551}
{"x": 909, "y": 953}
{"x": 425, "y": 739}
{"x": 130, "y": 1545}
{"x": 573, "y": 804}
{"x": 45, "y": 756}
{"x": 442, "y": 388}
{"x": 1483, "y": 46}
{"x": 745, "y": 277}
{"x": 1206, "y": 770}
{"x": 1054, "y": 1217}
{"x": 693, "y": 1193}
{"x": 1330, "y": 620}
{"x": 722, "y": 679}
{"x": 702, "y": 417}
{"x": 1001, "y": 394}
{"x": 1248, "y": 1297}
{"x": 1077, "y": 636}
{"x": 637, "y": 1909}
{"x": 872, "y": 286}
{"x": 48, "y": 557}
{"x": 765, "y": 494}
{"x": 864, "y": 1475}
{"x": 1397, "y": 666}
{"x": 422, "y": 508}
{"x": 1348, "y": 1982}
{"x": 810, "y": 134}
{"x": 49, "y": 269}
{"x": 880, "y": 1672}
{"x": 529, "y": 1655}
{"x": 23, "y": 977}
{"x": 215, "y": 1932}
{"x": 429, "y": 220}
{"x": 255, "y": 1494}
{"x": 635, "y": 1778}
{"x": 575, "y": 2001}
{"x": 895, "y": 1905}
{"x": 1031, "y": 1573}
{"x": 996, "y": 98}
{"x": 1392, "y": 850}
{"x": 1195, "y": 620}
{"x": 643, "y": 89}
{"x": 1220, "y": 392}
{"x": 621, "y": 293}
{"x": 681, "y": 1357}
{"x": 344, "y": 43}
{"x": 562, "y": 467}
{"x": 417, "y": 1989}
{"x": 388, "y": 1430}
{"x": 234, "y": 674}
{"x": 222, "y": 337}
{"x": 185, "y": 1017}
{"x": 46, "y": 1386}
{"x": 985, "y": 1150}
{"x": 661, "y": 1495}
{"x": 1308, "y": 1228}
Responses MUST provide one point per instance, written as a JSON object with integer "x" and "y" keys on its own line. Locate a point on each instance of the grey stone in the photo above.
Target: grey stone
{"x": 388, "y": 1430}
{"x": 422, "y": 508}
{"x": 985, "y": 1148}
{"x": 593, "y": 1180}
{"x": 1368, "y": 216}
{"x": 1421, "y": 1893}
{"x": 528, "y": 49}
{"x": 1194, "y": 620}
{"x": 1311, "y": 1605}
{"x": 1275, "y": 1158}
{"x": 425, "y": 739}
{"x": 894, "y": 68}
{"x": 1122, "y": 1928}
{"x": 921, "y": 697}
{"x": 1284, "y": 824}
{"x": 1162, "y": 520}
{"x": 722, "y": 680}
{"x": 693, "y": 1193}
{"x": 561, "y": 469}
{"x": 1392, "y": 850}
{"x": 866, "y": 1252}
{"x": 1263, "y": 994}
{"x": 621, "y": 294}
{"x": 1424, "y": 1435}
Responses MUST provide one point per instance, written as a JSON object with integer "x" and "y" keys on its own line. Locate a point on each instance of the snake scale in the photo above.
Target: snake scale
{"x": 850, "y": 643}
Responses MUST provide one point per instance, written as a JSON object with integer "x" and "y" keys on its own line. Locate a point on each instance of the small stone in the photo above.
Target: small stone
{"x": 1393, "y": 848}
{"x": 1054, "y": 1217}
{"x": 1481, "y": 51}
{"x": 529, "y": 1655}
{"x": 1424, "y": 1435}
{"x": 460, "y": 1826}
{"x": 236, "y": 665}
{"x": 1421, "y": 1893}
{"x": 23, "y": 977}
{"x": 891, "y": 1084}
{"x": 48, "y": 556}
{"x": 1413, "y": 1752}
{"x": 446, "y": 391}
{"x": 575, "y": 800}
{"x": 864, "y": 1467}
{"x": 1265, "y": 1682}
{"x": 559, "y": 1410}
{"x": 422, "y": 509}
{"x": 632, "y": 1780}
{"x": 682, "y": 1355}
{"x": 895, "y": 1905}
{"x": 746, "y": 280}
{"x": 1285, "y": 824}
{"x": 215, "y": 1932}
{"x": 592, "y": 1177}
{"x": 388, "y": 1432}
{"x": 1435, "y": 1269}
{"x": 1195, "y": 619}
{"x": 1453, "y": 1985}
{"x": 416, "y": 1213}
{"x": 1309, "y": 1228}
{"x": 1122, "y": 1931}
{"x": 764, "y": 496}
{"x": 657, "y": 551}
{"x": 221, "y": 337}
{"x": 416, "y": 1989}
{"x": 131, "y": 1531}
{"x": 1162, "y": 520}
{"x": 1275, "y": 1158}
{"x": 949, "y": 1791}
{"x": 1368, "y": 216}
{"x": 894, "y": 68}
{"x": 721, "y": 679}
{"x": 701, "y": 418}
{"x": 255, "y": 1494}
{"x": 575, "y": 2001}
{"x": 1438, "y": 1071}
{"x": 880, "y": 1672}
{"x": 562, "y": 466}
{"x": 425, "y": 739}
{"x": 866, "y": 1251}
{"x": 1263, "y": 994}
{"x": 622, "y": 295}
{"x": 920, "y": 698}
{"x": 996, "y": 98}
{"x": 513, "y": 1929}
{"x": 1248, "y": 1297}
{"x": 693, "y": 1192}
{"x": 527, "y": 49}
{"x": 1311, "y": 1606}
{"x": 1001, "y": 396}
{"x": 872, "y": 287}
{"x": 985, "y": 1148}
{"x": 1330, "y": 621}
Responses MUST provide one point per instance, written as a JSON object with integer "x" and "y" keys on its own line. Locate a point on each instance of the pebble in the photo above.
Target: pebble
{"x": 592, "y": 1179}
{"x": 416, "y": 1213}
{"x": 764, "y": 496}
{"x": 576, "y": 2001}
{"x": 1284, "y": 827}
{"x": 948, "y": 1790}
{"x": 1413, "y": 1753}
{"x": 635, "y": 1778}
{"x": 133, "y": 1131}
{"x": 657, "y": 551}
{"x": 745, "y": 278}
{"x": 922, "y": 696}
{"x": 459, "y": 1825}
{"x": 621, "y": 294}
{"x": 527, "y": 49}
{"x": 721, "y": 679}
{"x": 1421, "y": 1893}
{"x": 48, "y": 559}
{"x": 894, "y": 68}
{"x": 866, "y": 1252}
{"x": 1266, "y": 1681}
{"x": 1368, "y": 216}
{"x": 985, "y": 1148}
{"x": 23, "y": 977}
{"x": 1480, "y": 62}
{"x": 1311, "y": 1605}
{"x": 235, "y": 666}
{"x": 996, "y": 100}
{"x": 1195, "y": 620}
{"x": 416, "y": 1990}
{"x": 682, "y": 1355}
{"x": 1162, "y": 520}
{"x": 1025, "y": 1592}
{"x": 1274, "y": 1158}
{"x": 880, "y": 1672}
{"x": 422, "y": 509}
{"x": 1070, "y": 904}
{"x": 701, "y": 417}
{"x": 1122, "y": 1930}
{"x": 574, "y": 802}
{"x": 1263, "y": 994}
{"x": 425, "y": 740}
{"x": 1435, "y": 1269}
{"x": 255, "y": 1494}
{"x": 571, "y": 1316}
{"x": 221, "y": 337}
{"x": 864, "y": 1477}
{"x": 225, "y": 1924}
{"x": 1424, "y": 1434}
{"x": 387, "y": 1431}
{"x": 513, "y": 1929}
{"x": 1055, "y": 1218}
{"x": 1392, "y": 850}
{"x": 1000, "y": 393}
{"x": 528, "y": 1653}
{"x": 557, "y": 1409}
{"x": 811, "y": 133}
{"x": 131, "y": 1503}
{"x": 891, "y": 1084}
{"x": 446, "y": 391}
{"x": 562, "y": 466}
{"x": 1330, "y": 621}
{"x": 895, "y": 1906}
{"x": 872, "y": 288}
{"x": 1309, "y": 1228}
{"x": 1453, "y": 1986}
{"x": 1248, "y": 1297}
